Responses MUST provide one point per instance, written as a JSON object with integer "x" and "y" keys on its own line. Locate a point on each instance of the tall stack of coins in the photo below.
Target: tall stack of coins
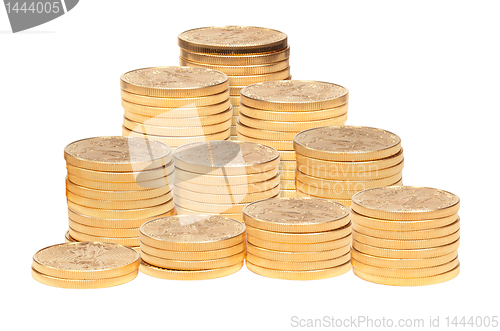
{"x": 190, "y": 247}
{"x": 405, "y": 236}
{"x": 336, "y": 162}
{"x": 114, "y": 185}
{"x": 248, "y": 55}
{"x": 221, "y": 177}
{"x": 272, "y": 113}
{"x": 85, "y": 265}
{"x": 176, "y": 105}
{"x": 298, "y": 238}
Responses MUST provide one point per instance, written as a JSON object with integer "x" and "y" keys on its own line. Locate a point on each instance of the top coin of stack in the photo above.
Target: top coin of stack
{"x": 114, "y": 185}
{"x": 405, "y": 235}
{"x": 189, "y": 247}
{"x": 85, "y": 265}
{"x": 221, "y": 177}
{"x": 336, "y": 162}
{"x": 248, "y": 55}
{"x": 298, "y": 238}
{"x": 176, "y": 105}
{"x": 272, "y": 113}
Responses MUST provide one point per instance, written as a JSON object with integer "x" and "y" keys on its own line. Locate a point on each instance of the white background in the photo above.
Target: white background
{"x": 428, "y": 72}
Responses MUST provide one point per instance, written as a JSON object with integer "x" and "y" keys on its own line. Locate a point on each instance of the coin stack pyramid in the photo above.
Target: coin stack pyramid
{"x": 248, "y": 55}
{"x": 221, "y": 177}
{"x": 114, "y": 185}
{"x": 272, "y": 113}
{"x": 176, "y": 105}
{"x": 298, "y": 238}
{"x": 85, "y": 265}
{"x": 191, "y": 247}
{"x": 335, "y": 162}
{"x": 405, "y": 235}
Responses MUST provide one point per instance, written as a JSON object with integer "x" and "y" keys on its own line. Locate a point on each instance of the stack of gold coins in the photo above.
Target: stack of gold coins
{"x": 272, "y": 113}
{"x": 85, "y": 265}
{"x": 405, "y": 235}
{"x": 190, "y": 247}
{"x": 336, "y": 162}
{"x": 114, "y": 185}
{"x": 176, "y": 105}
{"x": 221, "y": 177}
{"x": 298, "y": 238}
{"x": 248, "y": 55}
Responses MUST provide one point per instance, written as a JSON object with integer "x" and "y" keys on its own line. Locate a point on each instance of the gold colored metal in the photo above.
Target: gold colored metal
{"x": 295, "y": 127}
{"x": 163, "y": 273}
{"x": 278, "y": 145}
{"x": 110, "y": 204}
{"x": 297, "y": 256}
{"x": 295, "y": 116}
{"x": 310, "y": 247}
{"x": 194, "y": 256}
{"x": 403, "y": 263}
{"x": 178, "y": 141}
{"x": 104, "y": 232}
{"x": 235, "y": 90}
{"x": 185, "y": 211}
{"x": 180, "y": 122}
{"x": 288, "y": 194}
{"x": 121, "y": 214}
{"x": 245, "y": 80}
{"x": 406, "y": 243}
{"x": 300, "y": 275}
{"x": 237, "y": 60}
{"x": 402, "y": 225}
{"x": 287, "y": 155}
{"x": 124, "y": 177}
{"x": 164, "y": 182}
{"x": 176, "y": 112}
{"x": 175, "y": 102}
{"x": 406, "y": 253}
{"x": 287, "y": 175}
{"x": 68, "y": 238}
{"x": 287, "y": 184}
{"x": 211, "y": 208}
{"x": 235, "y": 101}
{"x": 405, "y": 273}
{"x": 409, "y": 235}
{"x": 298, "y": 266}
{"x": 132, "y": 241}
{"x": 287, "y": 165}
{"x": 219, "y": 179}
{"x": 193, "y": 265}
{"x": 350, "y": 176}
{"x": 113, "y": 223}
{"x": 239, "y": 70}
{"x": 228, "y": 188}
{"x": 209, "y": 197}
{"x": 176, "y": 131}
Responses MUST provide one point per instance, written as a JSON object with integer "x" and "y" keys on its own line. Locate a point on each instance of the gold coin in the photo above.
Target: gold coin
{"x": 234, "y": 120}
{"x": 229, "y": 189}
{"x": 405, "y": 203}
{"x": 235, "y": 101}
{"x": 234, "y": 132}
{"x": 298, "y": 266}
{"x": 405, "y": 273}
{"x": 174, "y": 82}
{"x": 294, "y": 95}
{"x": 176, "y": 112}
{"x": 193, "y": 265}
{"x": 122, "y": 213}
{"x": 288, "y": 175}
{"x": 287, "y": 184}
{"x": 322, "y": 193}
{"x": 159, "y": 120}
{"x": 113, "y": 223}
{"x": 210, "y": 197}
{"x": 235, "y": 90}
{"x": 194, "y": 256}
{"x": 287, "y": 165}
{"x": 422, "y": 253}
{"x": 178, "y": 141}
{"x": 116, "y": 195}
{"x": 175, "y": 102}
{"x": 403, "y": 263}
{"x": 299, "y": 238}
{"x": 245, "y": 80}
{"x": 351, "y": 176}
{"x": 131, "y": 241}
{"x": 117, "y": 154}
{"x": 239, "y": 70}
{"x": 297, "y": 256}
{"x": 68, "y": 238}
{"x": 104, "y": 232}
{"x": 406, "y": 244}
{"x": 185, "y": 211}
{"x": 296, "y": 215}
{"x": 441, "y": 278}
{"x": 259, "y": 134}
{"x": 164, "y": 182}
{"x": 131, "y": 204}
{"x": 210, "y": 208}
{"x": 87, "y": 260}
{"x": 290, "y": 126}
{"x": 278, "y": 145}
{"x": 226, "y": 157}
{"x": 309, "y": 247}
{"x": 233, "y": 138}
{"x": 402, "y": 225}
{"x": 125, "y": 177}
{"x": 216, "y": 178}
{"x": 236, "y": 110}
{"x": 287, "y": 155}
{"x": 163, "y": 273}
{"x": 237, "y": 60}
{"x": 82, "y": 283}
{"x": 288, "y": 194}
{"x": 176, "y": 131}
{"x": 300, "y": 275}
{"x": 192, "y": 232}
{"x": 350, "y": 167}
{"x": 409, "y": 235}
{"x": 346, "y": 143}
{"x": 344, "y": 202}
{"x": 295, "y": 116}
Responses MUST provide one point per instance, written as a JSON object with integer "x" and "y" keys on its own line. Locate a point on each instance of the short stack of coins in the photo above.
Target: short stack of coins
{"x": 176, "y": 105}
{"x": 221, "y": 177}
{"x": 84, "y": 265}
{"x": 298, "y": 238}
{"x": 272, "y": 113}
{"x": 248, "y": 55}
{"x": 114, "y": 185}
{"x": 192, "y": 247}
{"x": 338, "y": 161}
{"x": 405, "y": 235}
